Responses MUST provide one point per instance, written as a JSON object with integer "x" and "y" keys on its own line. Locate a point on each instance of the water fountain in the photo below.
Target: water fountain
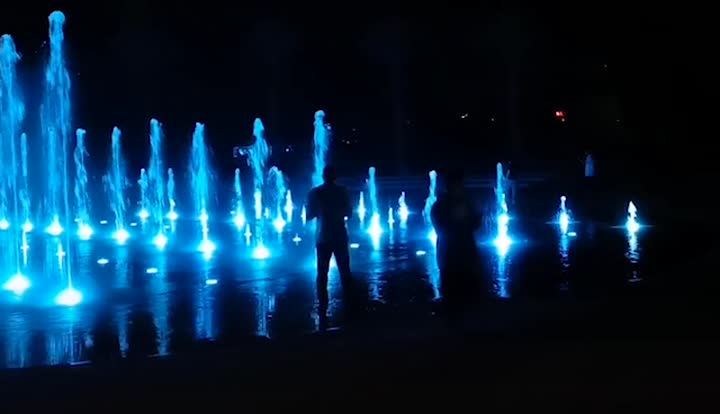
{"x": 632, "y": 224}
{"x": 361, "y": 210}
{"x": 502, "y": 240}
{"x": 172, "y": 215}
{"x": 321, "y": 142}
{"x": 257, "y": 156}
{"x": 429, "y": 202}
{"x": 239, "y": 210}
{"x": 27, "y": 226}
{"x": 144, "y": 184}
{"x": 375, "y": 228}
{"x": 563, "y": 217}
{"x": 115, "y": 185}
{"x": 289, "y": 206}
{"x": 277, "y": 189}
{"x": 403, "y": 211}
{"x": 156, "y": 183}
{"x": 201, "y": 181}
{"x": 55, "y": 127}
{"x": 12, "y": 185}
{"x": 82, "y": 201}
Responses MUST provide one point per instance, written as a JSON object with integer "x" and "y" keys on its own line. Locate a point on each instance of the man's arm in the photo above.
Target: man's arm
{"x": 312, "y": 207}
{"x": 347, "y": 205}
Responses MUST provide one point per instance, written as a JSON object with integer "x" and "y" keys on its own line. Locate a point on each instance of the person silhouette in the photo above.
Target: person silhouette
{"x": 329, "y": 203}
{"x": 455, "y": 221}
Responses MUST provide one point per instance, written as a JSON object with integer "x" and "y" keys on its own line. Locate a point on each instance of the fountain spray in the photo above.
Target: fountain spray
{"x": 239, "y": 211}
{"x": 144, "y": 184}
{"x": 278, "y": 188}
{"x": 82, "y": 201}
{"x": 115, "y": 185}
{"x": 375, "y": 228}
{"x": 202, "y": 178}
{"x": 321, "y": 142}
{"x": 156, "y": 183}
{"x": 502, "y": 240}
{"x": 12, "y": 186}
{"x": 172, "y": 215}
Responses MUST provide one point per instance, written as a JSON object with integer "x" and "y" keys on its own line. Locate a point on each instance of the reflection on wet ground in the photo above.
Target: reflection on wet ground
{"x": 140, "y": 302}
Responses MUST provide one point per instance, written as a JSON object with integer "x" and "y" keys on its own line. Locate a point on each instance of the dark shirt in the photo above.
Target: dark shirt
{"x": 455, "y": 221}
{"x": 330, "y": 204}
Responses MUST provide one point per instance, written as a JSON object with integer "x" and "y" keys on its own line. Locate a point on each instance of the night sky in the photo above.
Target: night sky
{"x": 412, "y": 93}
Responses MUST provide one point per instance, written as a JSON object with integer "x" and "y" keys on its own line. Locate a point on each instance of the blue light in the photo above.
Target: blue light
{"x": 632, "y": 224}
{"x": 69, "y": 297}
{"x": 27, "y": 227}
{"x": 85, "y": 232}
{"x": 261, "y": 252}
{"x": 121, "y": 236}
{"x": 54, "y": 229}
{"x": 151, "y": 270}
{"x": 103, "y": 261}
{"x": 4, "y": 224}
{"x": 420, "y": 253}
{"x": 354, "y": 245}
{"x": 160, "y": 241}
{"x": 211, "y": 282}
{"x": 17, "y": 284}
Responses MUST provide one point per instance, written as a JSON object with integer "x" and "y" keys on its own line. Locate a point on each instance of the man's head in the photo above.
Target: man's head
{"x": 329, "y": 174}
{"x": 455, "y": 181}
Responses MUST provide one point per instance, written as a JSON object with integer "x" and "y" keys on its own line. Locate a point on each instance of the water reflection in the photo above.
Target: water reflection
{"x": 132, "y": 313}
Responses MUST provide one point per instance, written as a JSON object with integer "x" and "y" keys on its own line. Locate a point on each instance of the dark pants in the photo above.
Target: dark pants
{"x": 325, "y": 252}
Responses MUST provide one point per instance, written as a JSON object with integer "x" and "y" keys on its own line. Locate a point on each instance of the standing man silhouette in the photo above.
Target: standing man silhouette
{"x": 330, "y": 204}
{"x": 456, "y": 220}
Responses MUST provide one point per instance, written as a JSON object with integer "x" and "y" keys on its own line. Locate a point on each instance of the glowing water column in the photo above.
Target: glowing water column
{"x": 239, "y": 210}
{"x": 156, "y": 183}
{"x": 429, "y": 202}
{"x": 82, "y": 202}
{"x": 13, "y": 186}
{"x": 375, "y": 229}
{"x": 115, "y": 184}
{"x": 201, "y": 178}
{"x": 56, "y": 126}
{"x": 502, "y": 240}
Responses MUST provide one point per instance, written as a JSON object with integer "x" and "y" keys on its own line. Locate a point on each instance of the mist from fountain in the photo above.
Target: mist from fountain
{"x": 429, "y": 202}
{"x": 502, "y": 240}
{"x": 13, "y": 191}
{"x": 375, "y": 228}
{"x": 144, "y": 185}
{"x": 321, "y": 143}
{"x": 82, "y": 201}
{"x": 172, "y": 215}
{"x": 201, "y": 178}
{"x": 403, "y": 211}
{"x": 257, "y": 156}
{"x": 239, "y": 210}
{"x": 56, "y": 126}
{"x": 115, "y": 185}
{"x": 277, "y": 187}
{"x": 563, "y": 216}
{"x": 156, "y": 183}
{"x": 361, "y": 210}
{"x": 289, "y": 206}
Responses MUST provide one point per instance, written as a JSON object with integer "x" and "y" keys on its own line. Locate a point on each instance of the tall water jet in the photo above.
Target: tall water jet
{"x": 361, "y": 210}
{"x": 172, "y": 215}
{"x": 201, "y": 179}
{"x": 277, "y": 189}
{"x": 375, "y": 228}
{"x": 429, "y": 202}
{"x": 25, "y": 189}
{"x": 257, "y": 156}
{"x": 431, "y": 198}
{"x": 82, "y": 202}
{"x": 403, "y": 211}
{"x": 289, "y": 206}
{"x": 156, "y": 182}
{"x": 321, "y": 142}
{"x": 56, "y": 125}
{"x": 239, "y": 210}
{"x": 12, "y": 112}
{"x": 502, "y": 240}
{"x": 632, "y": 224}
{"x": 144, "y": 184}
{"x": 115, "y": 185}
{"x": 563, "y": 218}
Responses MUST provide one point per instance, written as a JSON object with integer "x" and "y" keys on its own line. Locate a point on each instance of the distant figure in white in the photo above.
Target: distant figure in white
{"x": 589, "y": 166}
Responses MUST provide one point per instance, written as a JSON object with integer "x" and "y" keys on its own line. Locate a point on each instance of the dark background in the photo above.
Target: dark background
{"x": 635, "y": 80}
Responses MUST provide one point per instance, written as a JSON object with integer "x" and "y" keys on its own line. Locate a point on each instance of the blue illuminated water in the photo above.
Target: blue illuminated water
{"x": 156, "y": 197}
{"x": 172, "y": 215}
{"x": 321, "y": 142}
{"x": 238, "y": 212}
{"x": 82, "y": 200}
{"x": 115, "y": 186}
{"x": 276, "y": 190}
{"x": 12, "y": 182}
